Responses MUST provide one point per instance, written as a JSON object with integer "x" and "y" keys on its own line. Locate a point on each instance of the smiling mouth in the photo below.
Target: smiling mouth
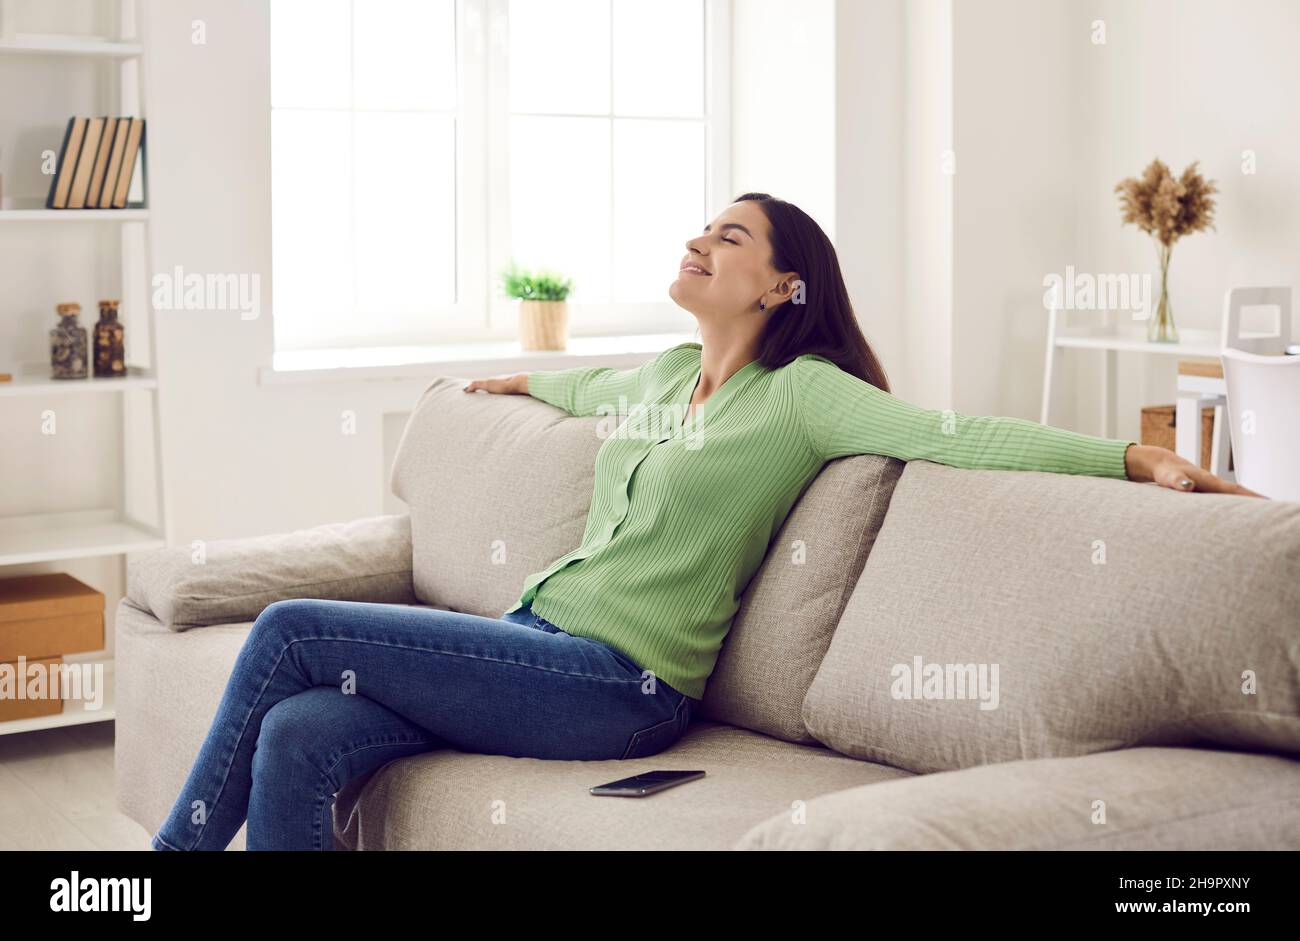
{"x": 695, "y": 269}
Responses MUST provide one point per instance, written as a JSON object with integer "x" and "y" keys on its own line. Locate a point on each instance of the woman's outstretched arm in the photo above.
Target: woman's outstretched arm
{"x": 585, "y": 390}
{"x": 579, "y": 391}
{"x": 844, "y": 415}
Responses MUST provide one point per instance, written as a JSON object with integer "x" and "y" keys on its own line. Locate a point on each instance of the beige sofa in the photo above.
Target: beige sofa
{"x": 929, "y": 658}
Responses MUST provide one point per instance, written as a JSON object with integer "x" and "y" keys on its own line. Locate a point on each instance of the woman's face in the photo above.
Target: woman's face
{"x": 728, "y": 269}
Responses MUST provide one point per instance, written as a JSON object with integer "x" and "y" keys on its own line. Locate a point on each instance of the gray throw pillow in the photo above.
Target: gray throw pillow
{"x": 230, "y": 580}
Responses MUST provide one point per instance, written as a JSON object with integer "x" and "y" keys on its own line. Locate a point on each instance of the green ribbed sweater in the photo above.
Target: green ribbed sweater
{"x": 684, "y": 507}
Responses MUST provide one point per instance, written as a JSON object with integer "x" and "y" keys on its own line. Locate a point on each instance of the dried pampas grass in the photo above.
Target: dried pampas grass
{"x": 1167, "y": 207}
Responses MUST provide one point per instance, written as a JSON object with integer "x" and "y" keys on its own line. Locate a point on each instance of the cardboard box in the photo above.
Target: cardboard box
{"x": 20, "y": 679}
{"x": 49, "y": 616}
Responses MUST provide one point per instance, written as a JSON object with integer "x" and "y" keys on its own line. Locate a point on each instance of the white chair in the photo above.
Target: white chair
{"x": 1263, "y": 393}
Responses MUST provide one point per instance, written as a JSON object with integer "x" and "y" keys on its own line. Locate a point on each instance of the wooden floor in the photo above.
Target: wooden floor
{"x": 56, "y": 792}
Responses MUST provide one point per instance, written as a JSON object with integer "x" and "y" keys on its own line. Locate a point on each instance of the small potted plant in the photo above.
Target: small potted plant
{"x": 1167, "y": 208}
{"x": 543, "y": 306}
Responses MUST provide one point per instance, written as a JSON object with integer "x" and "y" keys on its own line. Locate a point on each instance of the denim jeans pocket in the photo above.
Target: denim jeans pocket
{"x": 656, "y": 738}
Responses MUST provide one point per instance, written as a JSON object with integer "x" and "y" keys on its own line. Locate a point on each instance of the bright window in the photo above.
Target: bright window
{"x": 418, "y": 146}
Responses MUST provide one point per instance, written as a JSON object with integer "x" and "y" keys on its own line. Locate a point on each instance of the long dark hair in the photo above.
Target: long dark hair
{"x": 824, "y": 324}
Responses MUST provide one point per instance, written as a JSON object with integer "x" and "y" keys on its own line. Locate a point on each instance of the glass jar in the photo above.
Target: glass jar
{"x": 110, "y": 355}
{"x": 68, "y": 345}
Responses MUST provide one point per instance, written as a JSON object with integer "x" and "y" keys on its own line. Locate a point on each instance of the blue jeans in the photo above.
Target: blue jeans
{"x": 325, "y": 691}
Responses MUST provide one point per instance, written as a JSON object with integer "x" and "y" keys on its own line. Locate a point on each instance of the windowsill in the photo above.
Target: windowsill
{"x": 471, "y": 360}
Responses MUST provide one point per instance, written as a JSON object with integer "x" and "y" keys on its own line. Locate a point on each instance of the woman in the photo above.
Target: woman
{"x": 607, "y": 651}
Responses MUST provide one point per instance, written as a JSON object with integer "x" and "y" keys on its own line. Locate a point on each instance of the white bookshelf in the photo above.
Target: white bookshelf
{"x": 107, "y": 531}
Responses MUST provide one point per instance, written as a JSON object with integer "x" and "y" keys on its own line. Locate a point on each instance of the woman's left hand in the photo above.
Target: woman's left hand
{"x": 1145, "y": 462}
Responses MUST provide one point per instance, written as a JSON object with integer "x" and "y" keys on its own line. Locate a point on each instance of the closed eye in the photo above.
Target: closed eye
{"x": 732, "y": 241}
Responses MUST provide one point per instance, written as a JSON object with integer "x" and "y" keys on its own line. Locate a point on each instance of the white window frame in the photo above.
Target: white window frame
{"x": 607, "y": 318}
{"x": 482, "y": 187}
{"x": 463, "y": 318}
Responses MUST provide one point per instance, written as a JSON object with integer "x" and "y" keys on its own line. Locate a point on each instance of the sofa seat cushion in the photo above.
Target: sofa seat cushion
{"x": 1133, "y": 799}
{"x": 169, "y": 684}
{"x": 448, "y": 799}
{"x": 1010, "y": 615}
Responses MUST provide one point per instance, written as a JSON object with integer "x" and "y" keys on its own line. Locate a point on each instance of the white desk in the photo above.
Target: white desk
{"x": 1110, "y": 341}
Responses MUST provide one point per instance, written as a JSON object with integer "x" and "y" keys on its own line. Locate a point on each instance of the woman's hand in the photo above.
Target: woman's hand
{"x": 1144, "y": 462}
{"x": 513, "y": 385}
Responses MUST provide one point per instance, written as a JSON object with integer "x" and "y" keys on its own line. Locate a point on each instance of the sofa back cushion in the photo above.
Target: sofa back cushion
{"x": 498, "y": 487}
{"x": 1005, "y": 615}
{"x": 791, "y": 606}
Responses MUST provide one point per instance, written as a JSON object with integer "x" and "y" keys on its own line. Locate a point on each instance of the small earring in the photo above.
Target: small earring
{"x": 762, "y": 306}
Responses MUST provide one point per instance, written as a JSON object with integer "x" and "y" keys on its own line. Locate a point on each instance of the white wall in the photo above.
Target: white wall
{"x": 819, "y": 119}
{"x": 927, "y": 185}
{"x": 242, "y": 458}
{"x": 783, "y": 103}
{"x": 1014, "y": 191}
{"x": 869, "y": 85}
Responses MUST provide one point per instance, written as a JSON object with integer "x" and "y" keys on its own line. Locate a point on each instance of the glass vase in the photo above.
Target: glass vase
{"x": 1160, "y": 326}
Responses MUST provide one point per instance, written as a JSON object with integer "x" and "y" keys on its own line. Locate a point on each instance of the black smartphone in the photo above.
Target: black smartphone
{"x": 641, "y": 785}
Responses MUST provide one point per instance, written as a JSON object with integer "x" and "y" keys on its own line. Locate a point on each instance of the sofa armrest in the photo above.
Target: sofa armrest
{"x": 230, "y": 580}
{"x": 1130, "y": 799}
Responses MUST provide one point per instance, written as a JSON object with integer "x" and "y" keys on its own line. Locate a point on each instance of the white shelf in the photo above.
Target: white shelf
{"x": 69, "y": 46}
{"x": 34, "y": 379}
{"x": 74, "y": 711}
{"x": 81, "y": 534}
{"x": 74, "y": 215}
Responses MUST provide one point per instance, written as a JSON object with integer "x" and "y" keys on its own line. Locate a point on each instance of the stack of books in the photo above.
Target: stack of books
{"x": 97, "y": 163}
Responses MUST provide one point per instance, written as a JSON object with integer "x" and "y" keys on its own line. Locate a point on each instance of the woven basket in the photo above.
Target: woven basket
{"x": 1159, "y": 428}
